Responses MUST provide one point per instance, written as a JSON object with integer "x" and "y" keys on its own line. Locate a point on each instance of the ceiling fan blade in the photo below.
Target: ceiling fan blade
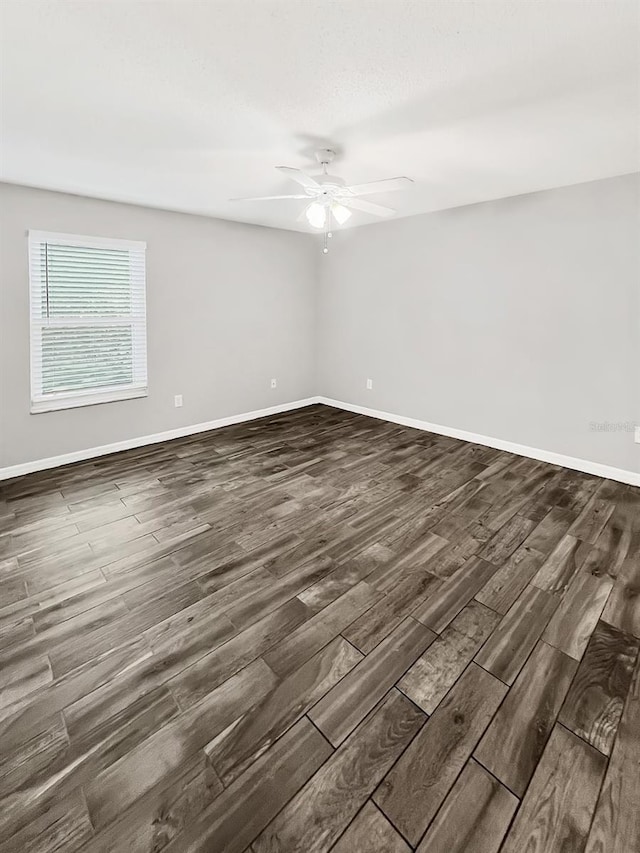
{"x": 268, "y": 197}
{"x": 386, "y": 186}
{"x": 298, "y": 176}
{"x": 367, "y": 207}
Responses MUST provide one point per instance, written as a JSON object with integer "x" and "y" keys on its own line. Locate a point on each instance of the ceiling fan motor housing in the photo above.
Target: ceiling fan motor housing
{"x": 330, "y": 180}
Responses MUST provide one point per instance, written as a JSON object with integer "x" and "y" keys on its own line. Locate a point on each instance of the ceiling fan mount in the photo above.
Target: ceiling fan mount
{"x": 325, "y": 156}
{"x": 329, "y": 196}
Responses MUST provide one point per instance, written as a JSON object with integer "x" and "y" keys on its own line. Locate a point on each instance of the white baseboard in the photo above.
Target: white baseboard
{"x": 608, "y": 472}
{"x": 595, "y": 468}
{"x": 143, "y": 440}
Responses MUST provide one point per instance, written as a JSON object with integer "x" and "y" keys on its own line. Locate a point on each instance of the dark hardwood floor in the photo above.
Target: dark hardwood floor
{"x": 318, "y": 632}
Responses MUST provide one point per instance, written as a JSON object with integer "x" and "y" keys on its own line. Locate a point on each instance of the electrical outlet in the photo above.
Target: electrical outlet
{"x": 638, "y": 435}
{"x": 274, "y": 383}
{"x": 369, "y": 384}
{"x": 177, "y": 401}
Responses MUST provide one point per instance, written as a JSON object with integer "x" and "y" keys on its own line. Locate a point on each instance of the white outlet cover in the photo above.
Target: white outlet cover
{"x": 274, "y": 383}
{"x": 369, "y": 384}
{"x": 638, "y": 435}
{"x": 177, "y": 401}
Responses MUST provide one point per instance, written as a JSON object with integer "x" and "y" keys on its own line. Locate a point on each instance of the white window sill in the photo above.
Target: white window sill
{"x": 54, "y": 402}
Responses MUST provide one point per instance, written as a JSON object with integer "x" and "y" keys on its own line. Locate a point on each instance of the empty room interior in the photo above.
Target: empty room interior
{"x": 320, "y": 426}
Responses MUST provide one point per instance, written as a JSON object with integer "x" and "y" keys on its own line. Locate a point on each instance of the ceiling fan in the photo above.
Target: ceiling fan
{"x": 330, "y": 198}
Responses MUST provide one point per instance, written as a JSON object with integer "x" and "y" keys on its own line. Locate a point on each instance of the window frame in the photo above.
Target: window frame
{"x": 56, "y": 400}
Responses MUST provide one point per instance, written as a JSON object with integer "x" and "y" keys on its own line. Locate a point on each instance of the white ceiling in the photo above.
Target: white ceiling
{"x": 185, "y": 103}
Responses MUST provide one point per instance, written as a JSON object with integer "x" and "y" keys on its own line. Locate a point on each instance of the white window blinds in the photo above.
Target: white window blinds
{"x": 88, "y": 320}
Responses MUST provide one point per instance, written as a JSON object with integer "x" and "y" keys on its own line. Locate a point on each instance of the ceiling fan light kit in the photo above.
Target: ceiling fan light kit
{"x": 340, "y": 213}
{"x": 316, "y": 214}
{"x": 330, "y": 198}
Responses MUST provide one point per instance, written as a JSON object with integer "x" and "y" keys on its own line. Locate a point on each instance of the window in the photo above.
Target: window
{"x": 88, "y": 320}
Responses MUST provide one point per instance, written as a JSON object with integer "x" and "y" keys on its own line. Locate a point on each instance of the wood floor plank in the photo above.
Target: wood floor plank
{"x": 244, "y": 613}
{"x": 23, "y": 717}
{"x": 152, "y": 821}
{"x": 577, "y": 615}
{"x": 334, "y": 585}
{"x": 317, "y": 631}
{"x": 30, "y": 759}
{"x": 143, "y": 767}
{"x": 71, "y": 654}
{"x": 614, "y": 545}
{"x": 546, "y": 535}
{"x": 231, "y": 751}
{"x": 90, "y": 724}
{"x": 20, "y": 678}
{"x": 623, "y": 606}
{"x": 193, "y": 682}
{"x": 190, "y": 634}
{"x": 64, "y": 602}
{"x": 576, "y": 489}
{"x": 453, "y": 594}
{"x": 556, "y": 812}
{"x": 503, "y": 543}
{"x": 56, "y": 770}
{"x": 319, "y": 813}
{"x": 346, "y": 704}
{"x": 506, "y": 651}
{"x": 504, "y": 587}
{"x": 371, "y": 832}
{"x": 589, "y": 524}
{"x": 437, "y": 670}
{"x": 377, "y": 622}
{"x": 17, "y": 631}
{"x": 620, "y": 537}
{"x": 242, "y": 811}
{"x": 561, "y": 565}
{"x": 447, "y": 561}
{"x": 61, "y": 638}
{"x": 116, "y": 697}
{"x": 431, "y": 764}
{"x": 513, "y": 743}
{"x": 475, "y": 816}
{"x": 150, "y": 609}
{"x": 12, "y": 591}
{"x": 616, "y": 823}
{"x": 207, "y": 614}
{"x": 63, "y": 828}
{"x": 594, "y": 704}
{"x": 415, "y": 559}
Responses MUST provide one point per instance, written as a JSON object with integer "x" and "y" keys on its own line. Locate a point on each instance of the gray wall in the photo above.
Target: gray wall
{"x": 229, "y": 306}
{"x": 517, "y": 319}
